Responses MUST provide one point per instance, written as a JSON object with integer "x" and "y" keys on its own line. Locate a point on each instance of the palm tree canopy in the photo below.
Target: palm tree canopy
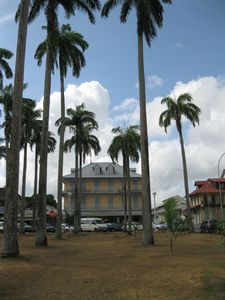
{"x": 36, "y": 137}
{"x": 4, "y": 66}
{"x": 69, "y": 49}
{"x": 126, "y": 142}
{"x": 183, "y": 106}
{"x": 81, "y": 123}
{"x": 29, "y": 117}
{"x": 51, "y": 7}
{"x": 149, "y": 14}
{"x": 78, "y": 117}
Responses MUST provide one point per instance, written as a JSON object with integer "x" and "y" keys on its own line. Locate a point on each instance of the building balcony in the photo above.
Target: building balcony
{"x": 100, "y": 191}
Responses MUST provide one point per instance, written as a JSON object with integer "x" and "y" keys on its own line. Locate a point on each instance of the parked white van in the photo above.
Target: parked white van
{"x": 93, "y": 224}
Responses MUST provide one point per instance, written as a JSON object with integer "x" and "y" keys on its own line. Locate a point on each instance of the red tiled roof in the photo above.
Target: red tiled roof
{"x": 205, "y": 187}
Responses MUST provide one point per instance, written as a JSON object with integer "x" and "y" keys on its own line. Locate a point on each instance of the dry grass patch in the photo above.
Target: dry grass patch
{"x": 114, "y": 266}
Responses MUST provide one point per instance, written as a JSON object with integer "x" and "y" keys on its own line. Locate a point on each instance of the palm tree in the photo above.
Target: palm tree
{"x": 10, "y": 246}
{"x": 149, "y": 16}
{"x": 6, "y": 101}
{"x": 29, "y": 117}
{"x": 183, "y": 106}
{"x": 76, "y": 121}
{"x": 4, "y": 66}
{"x": 50, "y": 8}
{"x": 126, "y": 142}
{"x": 36, "y": 141}
{"x": 71, "y": 46}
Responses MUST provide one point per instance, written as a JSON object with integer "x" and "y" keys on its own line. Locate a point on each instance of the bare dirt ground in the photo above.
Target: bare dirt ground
{"x": 114, "y": 266}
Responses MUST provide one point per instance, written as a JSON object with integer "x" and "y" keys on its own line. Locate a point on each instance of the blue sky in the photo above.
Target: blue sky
{"x": 187, "y": 55}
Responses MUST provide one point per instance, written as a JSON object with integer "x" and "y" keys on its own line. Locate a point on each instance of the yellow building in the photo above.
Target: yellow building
{"x": 101, "y": 192}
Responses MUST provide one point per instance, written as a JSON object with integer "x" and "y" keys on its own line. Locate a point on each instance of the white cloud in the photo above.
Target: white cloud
{"x": 204, "y": 144}
{"x": 7, "y": 18}
{"x": 154, "y": 82}
{"x": 128, "y": 104}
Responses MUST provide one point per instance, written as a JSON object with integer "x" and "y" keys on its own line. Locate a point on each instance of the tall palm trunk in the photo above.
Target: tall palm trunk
{"x": 79, "y": 190}
{"x": 129, "y": 197}
{"x": 41, "y": 236}
{"x": 60, "y": 160}
{"x": 35, "y": 188}
{"x": 185, "y": 174}
{"x": 7, "y": 157}
{"x": 124, "y": 194}
{"x": 10, "y": 246}
{"x": 76, "y": 205}
{"x": 146, "y": 191}
{"x": 22, "y": 203}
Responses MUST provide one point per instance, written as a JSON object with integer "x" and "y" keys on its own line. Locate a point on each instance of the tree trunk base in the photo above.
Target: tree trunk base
{"x": 10, "y": 249}
{"x": 41, "y": 240}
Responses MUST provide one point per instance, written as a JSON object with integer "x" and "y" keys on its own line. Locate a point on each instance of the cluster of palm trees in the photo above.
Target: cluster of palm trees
{"x": 64, "y": 48}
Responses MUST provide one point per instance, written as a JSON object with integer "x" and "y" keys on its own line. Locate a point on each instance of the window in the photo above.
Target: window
{"x": 135, "y": 184}
{"x": 135, "y": 202}
{"x": 97, "y": 203}
{"x": 83, "y": 186}
{"x": 97, "y": 185}
{"x": 83, "y": 203}
{"x": 110, "y": 169}
{"x": 110, "y": 203}
{"x": 97, "y": 169}
{"x": 110, "y": 185}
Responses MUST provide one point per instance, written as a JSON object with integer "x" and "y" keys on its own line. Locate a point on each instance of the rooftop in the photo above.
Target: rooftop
{"x": 103, "y": 170}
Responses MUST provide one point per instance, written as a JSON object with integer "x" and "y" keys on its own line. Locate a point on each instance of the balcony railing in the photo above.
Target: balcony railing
{"x": 99, "y": 191}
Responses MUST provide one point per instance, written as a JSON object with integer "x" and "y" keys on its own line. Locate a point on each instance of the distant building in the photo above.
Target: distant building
{"x": 102, "y": 192}
{"x": 205, "y": 199}
{"x": 180, "y": 207}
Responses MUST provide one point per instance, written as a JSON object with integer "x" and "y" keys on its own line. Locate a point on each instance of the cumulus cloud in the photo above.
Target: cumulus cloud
{"x": 204, "y": 144}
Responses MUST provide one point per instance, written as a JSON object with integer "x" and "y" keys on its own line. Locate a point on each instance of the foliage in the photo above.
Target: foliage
{"x": 176, "y": 109}
{"x": 4, "y": 66}
{"x": 170, "y": 215}
{"x": 50, "y": 200}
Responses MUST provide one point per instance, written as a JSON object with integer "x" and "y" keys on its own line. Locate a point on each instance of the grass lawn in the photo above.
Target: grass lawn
{"x": 114, "y": 266}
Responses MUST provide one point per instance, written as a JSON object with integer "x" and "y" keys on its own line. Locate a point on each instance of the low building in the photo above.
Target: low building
{"x": 205, "y": 199}
{"x": 102, "y": 192}
{"x": 180, "y": 207}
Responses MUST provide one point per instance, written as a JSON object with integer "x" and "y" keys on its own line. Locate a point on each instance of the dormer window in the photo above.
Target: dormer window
{"x": 97, "y": 170}
{"x": 110, "y": 169}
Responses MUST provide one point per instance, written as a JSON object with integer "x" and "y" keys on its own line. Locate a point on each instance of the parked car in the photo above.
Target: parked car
{"x": 116, "y": 227}
{"x": 50, "y": 228}
{"x": 208, "y": 226}
{"x": 93, "y": 224}
{"x": 110, "y": 227}
{"x": 65, "y": 227}
{"x": 137, "y": 226}
{"x": 27, "y": 227}
{"x": 159, "y": 226}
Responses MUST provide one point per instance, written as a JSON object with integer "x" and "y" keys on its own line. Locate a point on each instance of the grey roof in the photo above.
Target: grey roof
{"x": 88, "y": 171}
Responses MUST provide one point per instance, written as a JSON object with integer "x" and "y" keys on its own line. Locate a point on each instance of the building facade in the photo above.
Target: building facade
{"x": 102, "y": 192}
{"x": 180, "y": 208}
{"x": 205, "y": 200}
